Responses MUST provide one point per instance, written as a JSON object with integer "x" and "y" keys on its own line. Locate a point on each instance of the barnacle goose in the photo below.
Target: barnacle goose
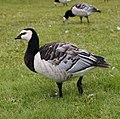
{"x": 81, "y": 10}
{"x": 64, "y": 2}
{"x": 58, "y": 60}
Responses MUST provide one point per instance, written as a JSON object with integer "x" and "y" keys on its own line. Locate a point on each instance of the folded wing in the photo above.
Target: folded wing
{"x": 70, "y": 58}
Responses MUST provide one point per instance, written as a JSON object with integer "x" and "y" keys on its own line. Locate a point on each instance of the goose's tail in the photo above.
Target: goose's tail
{"x": 96, "y": 10}
{"x": 101, "y": 62}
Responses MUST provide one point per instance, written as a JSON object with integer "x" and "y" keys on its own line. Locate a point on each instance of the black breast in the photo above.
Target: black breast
{"x": 29, "y": 61}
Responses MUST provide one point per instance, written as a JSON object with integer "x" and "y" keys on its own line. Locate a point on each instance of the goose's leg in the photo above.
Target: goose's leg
{"x": 79, "y": 85}
{"x": 60, "y": 89}
{"x": 81, "y": 19}
{"x": 87, "y": 19}
{"x": 65, "y": 4}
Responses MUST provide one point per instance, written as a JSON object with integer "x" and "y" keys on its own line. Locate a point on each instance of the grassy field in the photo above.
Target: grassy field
{"x": 26, "y": 95}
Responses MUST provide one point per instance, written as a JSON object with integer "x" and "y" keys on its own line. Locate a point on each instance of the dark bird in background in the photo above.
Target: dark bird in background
{"x": 58, "y": 61}
{"x": 81, "y": 10}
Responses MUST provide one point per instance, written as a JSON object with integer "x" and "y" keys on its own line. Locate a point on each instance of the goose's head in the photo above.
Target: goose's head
{"x": 27, "y": 34}
{"x": 68, "y": 14}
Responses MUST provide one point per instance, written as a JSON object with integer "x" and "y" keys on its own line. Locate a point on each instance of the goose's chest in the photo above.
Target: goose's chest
{"x": 29, "y": 61}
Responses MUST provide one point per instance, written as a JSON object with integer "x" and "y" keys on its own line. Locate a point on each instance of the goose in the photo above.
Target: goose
{"x": 64, "y": 2}
{"x": 81, "y": 10}
{"x": 59, "y": 61}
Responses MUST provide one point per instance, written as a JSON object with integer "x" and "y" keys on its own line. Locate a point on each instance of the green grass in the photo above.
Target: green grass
{"x": 26, "y": 95}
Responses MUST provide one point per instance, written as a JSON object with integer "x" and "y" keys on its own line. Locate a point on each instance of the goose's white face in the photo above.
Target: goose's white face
{"x": 64, "y": 19}
{"x": 26, "y": 35}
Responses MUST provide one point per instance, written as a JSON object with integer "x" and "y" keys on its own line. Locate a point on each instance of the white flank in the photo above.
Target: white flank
{"x": 64, "y": 1}
{"x": 79, "y": 12}
{"x": 49, "y": 70}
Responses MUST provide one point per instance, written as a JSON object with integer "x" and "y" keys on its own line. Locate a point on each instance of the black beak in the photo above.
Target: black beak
{"x": 18, "y": 37}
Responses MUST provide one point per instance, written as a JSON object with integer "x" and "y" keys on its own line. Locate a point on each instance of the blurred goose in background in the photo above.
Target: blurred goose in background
{"x": 64, "y": 2}
{"x": 81, "y": 10}
{"x": 58, "y": 60}
{"x": 105, "y": 0}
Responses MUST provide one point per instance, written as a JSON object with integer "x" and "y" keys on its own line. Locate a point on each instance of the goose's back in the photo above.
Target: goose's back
{"x": 67, "y": 56}
{"x": 82, "y": 9}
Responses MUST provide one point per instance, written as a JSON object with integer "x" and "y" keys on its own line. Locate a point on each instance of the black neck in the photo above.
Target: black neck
{"x": 69, "y": 14}
{"x": 57, "y": 1}
{"x": 32, "y": 49}
{"x": 33, "y": 45}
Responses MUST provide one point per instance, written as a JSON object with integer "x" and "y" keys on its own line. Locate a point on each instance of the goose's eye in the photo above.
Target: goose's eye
{"x": 23, "y": 33}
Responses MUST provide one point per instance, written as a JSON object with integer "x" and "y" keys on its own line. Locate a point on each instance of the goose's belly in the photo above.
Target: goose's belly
{"x": 51, "y": 71}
